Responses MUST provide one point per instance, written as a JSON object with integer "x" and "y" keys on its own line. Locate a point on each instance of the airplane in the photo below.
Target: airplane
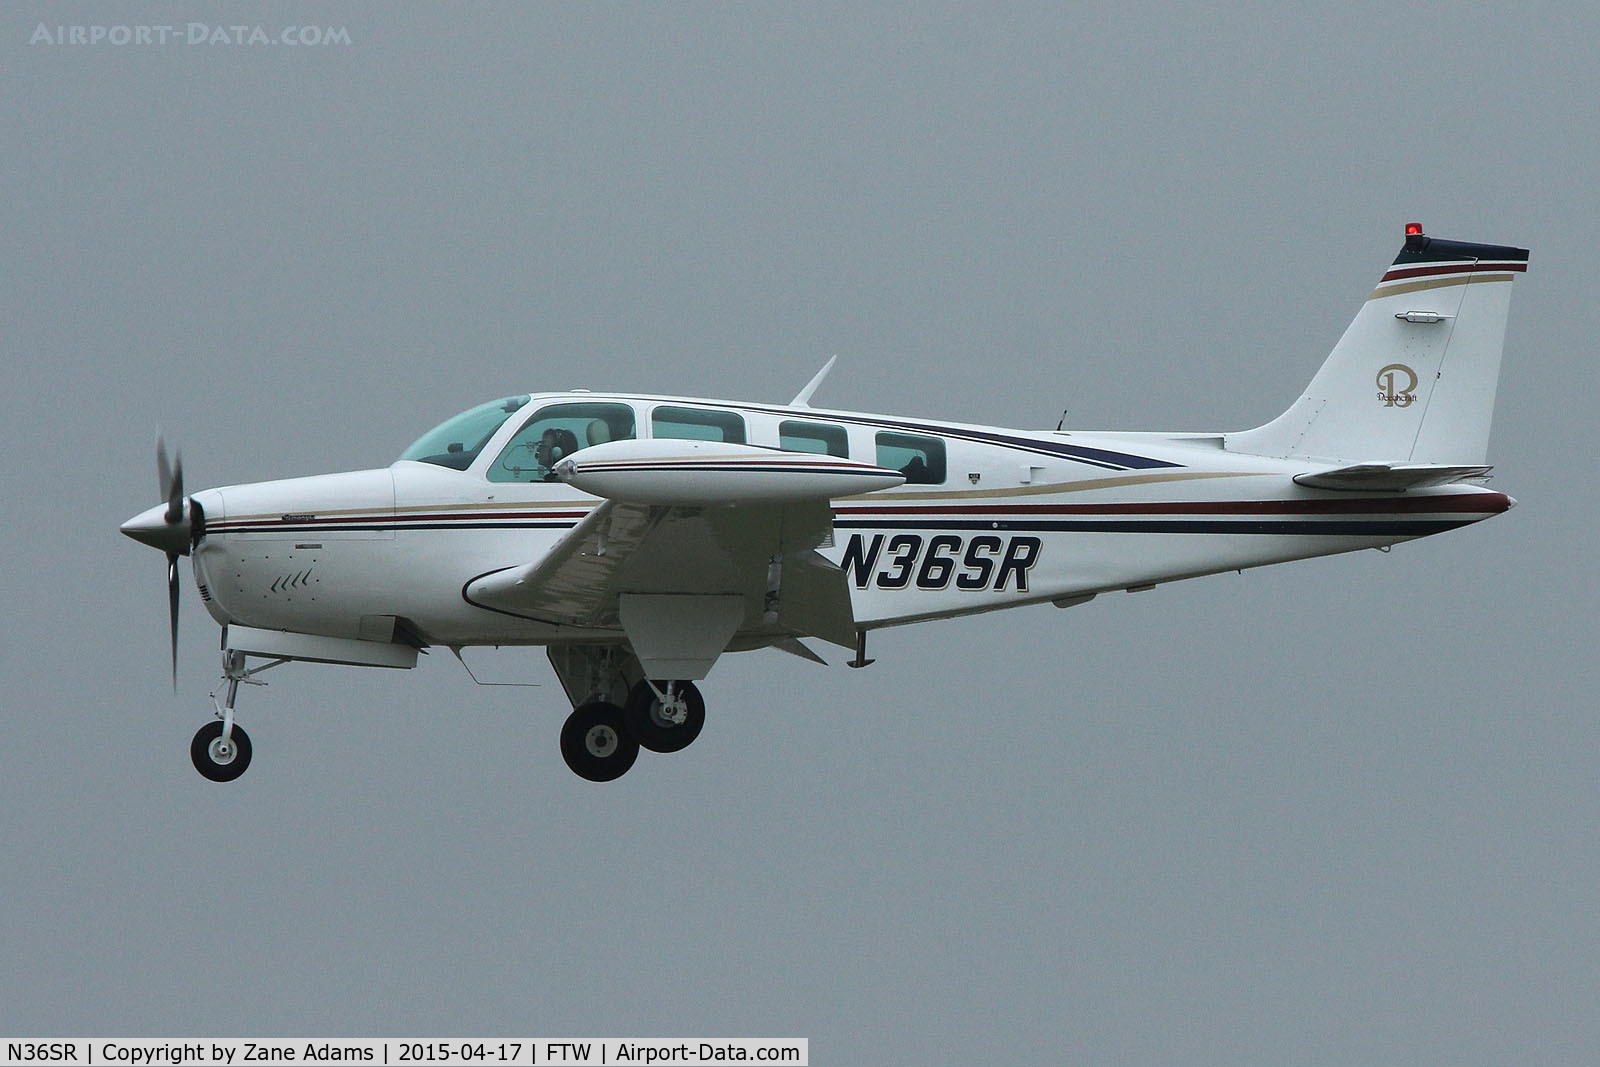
{"x": 638, "y": 538}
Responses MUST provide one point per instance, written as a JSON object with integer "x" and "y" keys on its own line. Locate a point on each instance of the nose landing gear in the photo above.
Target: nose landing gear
{"x": 221, "y": 750}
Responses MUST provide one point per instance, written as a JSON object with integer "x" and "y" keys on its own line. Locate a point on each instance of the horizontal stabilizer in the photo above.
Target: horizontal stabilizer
{"x": 1395, "y": 477}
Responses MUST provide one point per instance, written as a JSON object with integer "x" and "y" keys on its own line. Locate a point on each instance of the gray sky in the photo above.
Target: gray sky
{"x": 1337, "y": 812}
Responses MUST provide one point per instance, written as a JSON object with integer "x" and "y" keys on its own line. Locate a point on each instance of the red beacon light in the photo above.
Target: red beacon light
{"x": 1413, "y": 229}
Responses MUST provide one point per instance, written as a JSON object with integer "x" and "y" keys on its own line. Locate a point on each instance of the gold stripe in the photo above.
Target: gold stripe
{"x": 500, "y": 505}
{"x": 1084, "y": 486}
{"x": 1435, "y": 283}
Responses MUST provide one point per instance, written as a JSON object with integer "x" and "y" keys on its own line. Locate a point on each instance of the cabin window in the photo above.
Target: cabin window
{"x": 822, "y": 438}
{"x": 556, "y": 432}
{"x": 920, "y": 459}
{"x": 698, "y": 424}
{"x": 456, "y": 442}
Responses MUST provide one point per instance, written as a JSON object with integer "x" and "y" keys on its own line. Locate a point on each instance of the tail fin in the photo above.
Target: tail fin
{"x": 1413, "y": 379}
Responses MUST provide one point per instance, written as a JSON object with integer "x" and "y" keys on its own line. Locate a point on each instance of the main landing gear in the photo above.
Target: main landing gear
{"x": 600, "y": 740}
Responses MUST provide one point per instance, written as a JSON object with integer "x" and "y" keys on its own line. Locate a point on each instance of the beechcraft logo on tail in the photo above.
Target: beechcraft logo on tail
{"x": 1396, "y": 385}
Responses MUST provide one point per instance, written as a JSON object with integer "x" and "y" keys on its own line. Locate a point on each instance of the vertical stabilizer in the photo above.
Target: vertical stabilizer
{"x": 1413, "y": 379}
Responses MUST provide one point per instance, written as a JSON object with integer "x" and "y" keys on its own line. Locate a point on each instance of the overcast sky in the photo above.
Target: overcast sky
{"x": 1342, "y": 811}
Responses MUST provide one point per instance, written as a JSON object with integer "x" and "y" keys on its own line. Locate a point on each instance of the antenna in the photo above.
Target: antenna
{"x": 803, "y": 398}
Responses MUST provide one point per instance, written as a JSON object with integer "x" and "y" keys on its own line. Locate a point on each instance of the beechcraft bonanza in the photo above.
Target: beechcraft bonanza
{"x": 639, "y": 538}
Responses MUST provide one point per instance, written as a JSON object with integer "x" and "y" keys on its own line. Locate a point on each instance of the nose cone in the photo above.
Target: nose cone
{"x": 151, "y": 528}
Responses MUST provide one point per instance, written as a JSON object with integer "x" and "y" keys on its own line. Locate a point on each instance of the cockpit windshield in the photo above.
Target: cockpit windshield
{"x": 457, "y": 442}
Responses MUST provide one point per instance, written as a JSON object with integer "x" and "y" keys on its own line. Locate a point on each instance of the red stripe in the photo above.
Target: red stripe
{"x": 1473, "y": 267}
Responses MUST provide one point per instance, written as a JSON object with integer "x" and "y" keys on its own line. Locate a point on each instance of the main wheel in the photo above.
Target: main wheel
{"x": 596, "y": 742}
{"x": 651, "y": 725}
{"x": 215, "y": 760}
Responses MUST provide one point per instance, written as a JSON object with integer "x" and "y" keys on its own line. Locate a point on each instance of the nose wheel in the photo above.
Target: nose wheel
{"x": 221, "y": 759}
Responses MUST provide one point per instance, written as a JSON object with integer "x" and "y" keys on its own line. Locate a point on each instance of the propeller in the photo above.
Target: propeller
{"x": 169, "y": 527}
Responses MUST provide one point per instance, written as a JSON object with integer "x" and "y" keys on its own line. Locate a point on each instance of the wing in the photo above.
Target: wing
{"x": 685, "y": 581}
{"x": 698, "y": 546}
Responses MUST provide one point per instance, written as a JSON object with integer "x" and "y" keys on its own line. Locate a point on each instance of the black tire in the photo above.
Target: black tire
{"x": 202, "y": 750}
{"x": 596, "y": 742}
{"x": 657, "y": 733}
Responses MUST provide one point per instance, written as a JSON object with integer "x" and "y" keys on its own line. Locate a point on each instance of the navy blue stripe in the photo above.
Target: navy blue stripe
{"x": 1419, "y": 248}
{"x": 1094, "y": 457}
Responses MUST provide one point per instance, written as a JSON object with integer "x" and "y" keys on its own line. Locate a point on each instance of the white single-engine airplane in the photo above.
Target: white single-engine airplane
{"x": 638, "y": 538}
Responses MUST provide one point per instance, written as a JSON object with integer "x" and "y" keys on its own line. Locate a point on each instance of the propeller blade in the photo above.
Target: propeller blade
{"x": 175, "y": 492}
{"x": 163, "y": 468}
{"x": 169, "y": 528}
{"x": 172, "y": 601}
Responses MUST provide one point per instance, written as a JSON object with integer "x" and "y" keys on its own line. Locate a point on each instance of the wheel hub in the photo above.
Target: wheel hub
{"x": 668, "y": 708}
{"x": 601, "y": 741}
{"x": 222, "y": 752}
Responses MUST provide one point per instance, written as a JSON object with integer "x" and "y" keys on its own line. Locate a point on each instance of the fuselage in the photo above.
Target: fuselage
{"x": 988, "y": 517}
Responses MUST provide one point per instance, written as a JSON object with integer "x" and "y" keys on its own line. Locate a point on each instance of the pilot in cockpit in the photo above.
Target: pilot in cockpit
{"x": 555, "y": 444}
